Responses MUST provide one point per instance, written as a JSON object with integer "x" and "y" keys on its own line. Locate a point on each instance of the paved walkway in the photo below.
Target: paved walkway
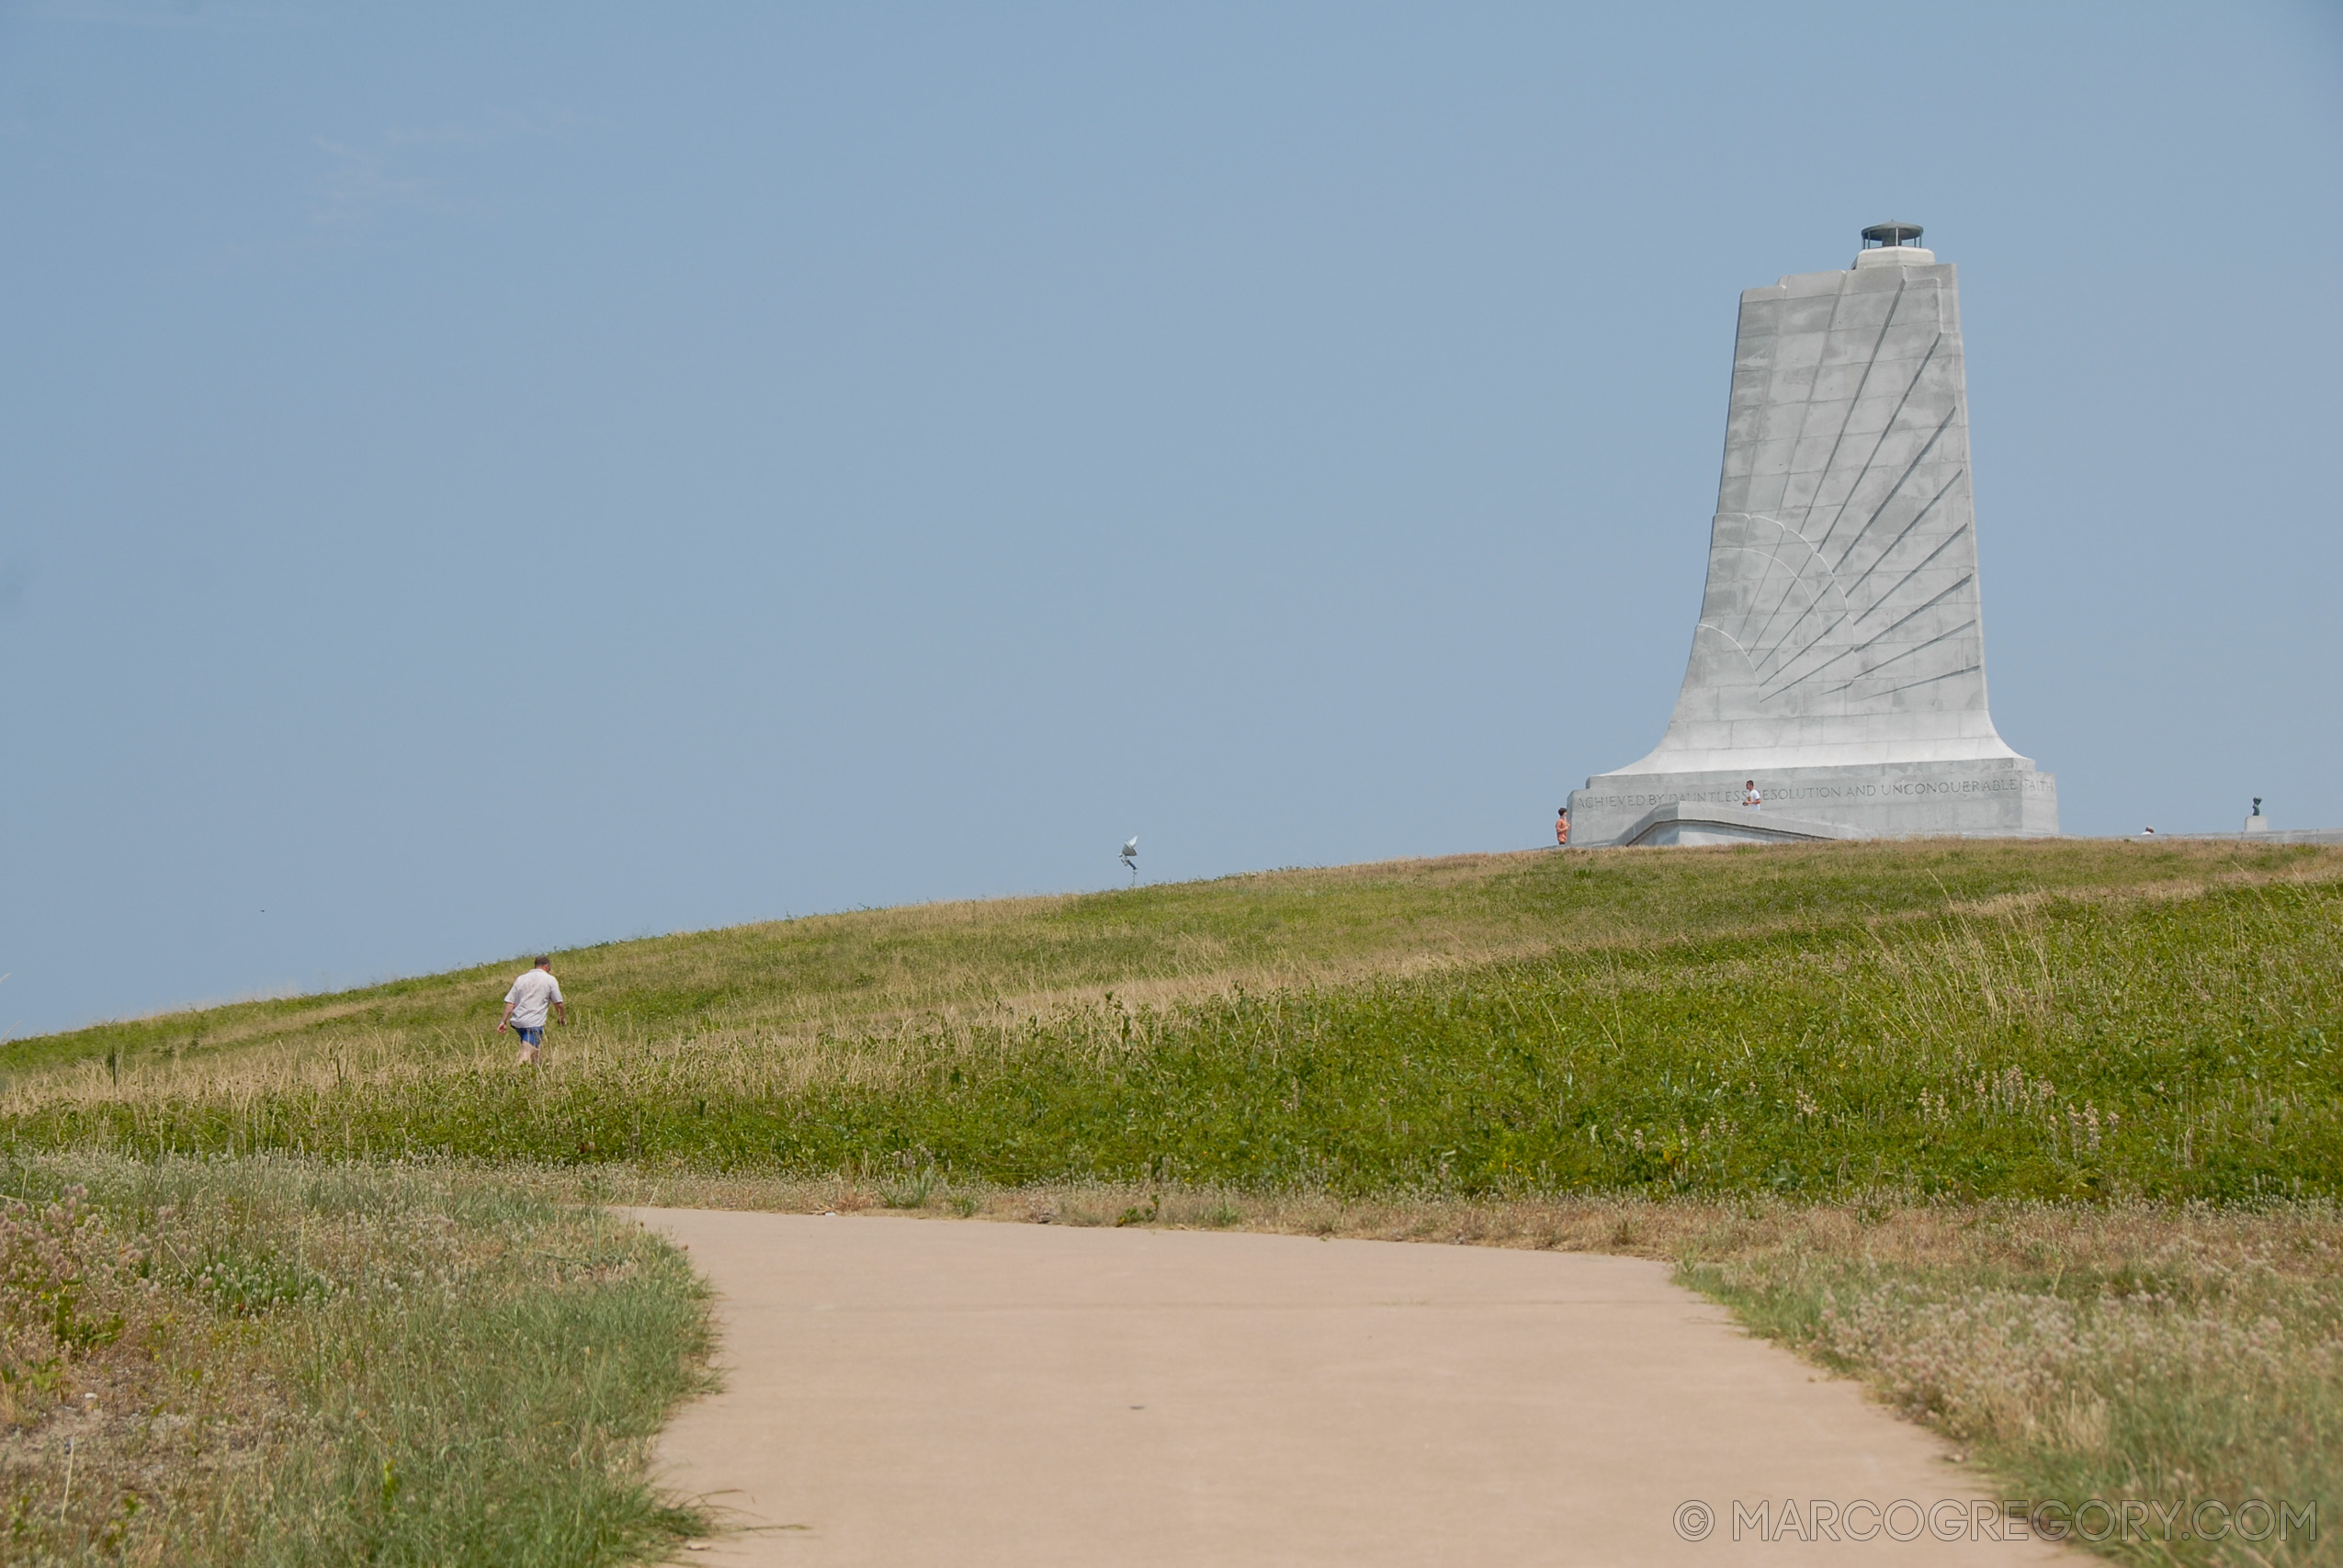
{"x": 931, "y": 1394}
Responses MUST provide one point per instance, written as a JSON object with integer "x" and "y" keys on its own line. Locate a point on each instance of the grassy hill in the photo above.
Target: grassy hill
{"x": 2024, "y": 1019}
{"x": 1824, "y": 1081}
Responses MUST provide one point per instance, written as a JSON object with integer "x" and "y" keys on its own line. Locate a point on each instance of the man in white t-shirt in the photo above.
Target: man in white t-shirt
{"x": 1751, "y": 797}
{"x": 526, "y": 1005}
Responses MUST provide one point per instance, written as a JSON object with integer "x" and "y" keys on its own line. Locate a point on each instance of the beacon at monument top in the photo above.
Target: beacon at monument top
{"x": 1838, "y": 669}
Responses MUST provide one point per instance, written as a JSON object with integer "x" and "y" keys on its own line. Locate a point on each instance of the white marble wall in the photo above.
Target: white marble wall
{"x": 1842, "y": 625}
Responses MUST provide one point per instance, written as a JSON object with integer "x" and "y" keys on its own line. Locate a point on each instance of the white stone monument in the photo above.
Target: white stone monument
{"x": 1839, "y": 659}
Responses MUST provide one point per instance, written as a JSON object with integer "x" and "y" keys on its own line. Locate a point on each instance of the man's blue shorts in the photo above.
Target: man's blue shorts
{"x": 530, "y": 1036}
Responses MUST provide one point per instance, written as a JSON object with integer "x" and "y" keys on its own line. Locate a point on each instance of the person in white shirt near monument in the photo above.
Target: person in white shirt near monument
{"x": 525, "y": 1006}
{"x": 1751, "y": 797}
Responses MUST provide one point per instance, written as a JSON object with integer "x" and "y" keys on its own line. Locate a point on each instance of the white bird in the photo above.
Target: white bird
{"x": 1130, "y": 851}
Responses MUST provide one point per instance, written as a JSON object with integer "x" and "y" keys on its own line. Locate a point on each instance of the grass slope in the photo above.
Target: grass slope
{"x": 1855, "y": 1090}
{"x": 2028, "y": 1020}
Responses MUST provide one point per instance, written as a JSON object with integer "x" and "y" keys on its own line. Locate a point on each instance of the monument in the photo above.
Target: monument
{"x": 1837, "y": 669}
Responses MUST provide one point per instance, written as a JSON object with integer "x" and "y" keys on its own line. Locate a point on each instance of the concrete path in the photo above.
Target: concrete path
{"x": 915, "y": 1393}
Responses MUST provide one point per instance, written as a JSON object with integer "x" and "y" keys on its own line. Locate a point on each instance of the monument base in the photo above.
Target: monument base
{"x": 1993, "y": 796}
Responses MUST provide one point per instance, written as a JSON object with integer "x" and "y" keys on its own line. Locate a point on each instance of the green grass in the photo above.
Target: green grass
{"x": 2039, "y": 1139}
{"x": 270, "y": 1361}
{"x": 753, "y": 985}
{"x": 1985, "y": 1021}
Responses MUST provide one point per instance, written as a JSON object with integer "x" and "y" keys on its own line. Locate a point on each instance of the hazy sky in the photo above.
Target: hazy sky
{"x": 473, "y": 480}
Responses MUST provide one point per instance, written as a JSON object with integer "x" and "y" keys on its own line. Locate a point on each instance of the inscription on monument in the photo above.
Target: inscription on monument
{"x": 2032, "y": 784}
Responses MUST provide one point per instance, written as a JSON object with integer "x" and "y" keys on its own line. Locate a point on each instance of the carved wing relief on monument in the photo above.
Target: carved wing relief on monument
{"x": 1840, "y": 658}
{"x": 1843, "y": 565}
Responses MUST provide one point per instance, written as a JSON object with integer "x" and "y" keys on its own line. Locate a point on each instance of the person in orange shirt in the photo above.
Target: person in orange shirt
{"x": 1562, "y": 827}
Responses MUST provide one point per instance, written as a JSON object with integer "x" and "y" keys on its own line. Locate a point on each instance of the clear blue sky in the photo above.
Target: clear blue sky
{"x": 478, "y": 478}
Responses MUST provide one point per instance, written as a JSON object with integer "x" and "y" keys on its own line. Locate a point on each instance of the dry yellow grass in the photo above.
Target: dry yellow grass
{"x": 271, "y": 1361}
